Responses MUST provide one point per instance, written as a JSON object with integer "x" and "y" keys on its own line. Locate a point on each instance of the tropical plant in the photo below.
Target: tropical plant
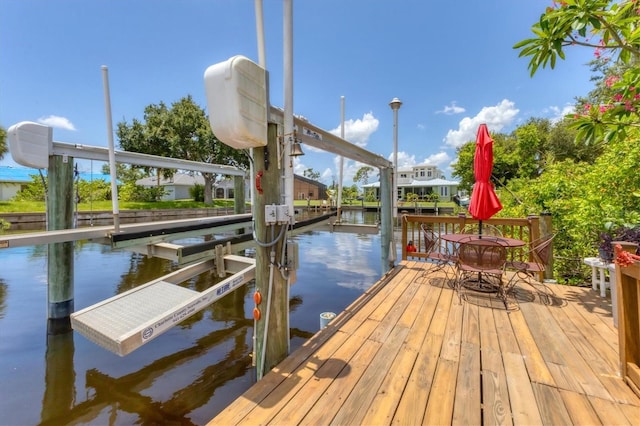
{"x": 626, "y": 233}
{"x": 611, "y": 29}
{"x": 3, "y": 142}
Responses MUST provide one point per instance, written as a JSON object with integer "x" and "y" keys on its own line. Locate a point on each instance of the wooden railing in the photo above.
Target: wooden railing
{"x": 526, "y": 229}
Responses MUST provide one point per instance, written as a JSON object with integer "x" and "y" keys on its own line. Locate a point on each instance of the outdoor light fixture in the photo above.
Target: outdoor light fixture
{"x": 395, "y": 105}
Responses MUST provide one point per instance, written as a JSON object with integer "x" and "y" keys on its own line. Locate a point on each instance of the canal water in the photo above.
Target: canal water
{"x": 187, "y": 375}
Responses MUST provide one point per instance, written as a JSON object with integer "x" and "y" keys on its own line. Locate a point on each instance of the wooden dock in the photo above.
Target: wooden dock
{"x": 409, "y": 351}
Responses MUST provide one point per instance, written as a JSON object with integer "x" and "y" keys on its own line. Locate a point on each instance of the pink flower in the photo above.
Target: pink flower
{"x": 611, "y": 80}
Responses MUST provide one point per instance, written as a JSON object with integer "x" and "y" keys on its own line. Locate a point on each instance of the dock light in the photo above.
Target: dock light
{"x": 395, "y": 105}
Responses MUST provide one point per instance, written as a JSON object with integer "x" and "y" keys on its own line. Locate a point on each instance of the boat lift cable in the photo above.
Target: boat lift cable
{"x": 46, "y": 199}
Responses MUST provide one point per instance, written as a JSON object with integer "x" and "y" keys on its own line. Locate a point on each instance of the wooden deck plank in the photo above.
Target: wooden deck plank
{"x": 579, "y": 354}
{"x": 552, "y": 408}
{"x": 471, "y": 325}
{"x": 495, "y": 393}
{"x": 580, "y": 409}
{"x": 440, "y": 403}
{"x": 591, "y": 338}
{"x": 555, "y": 347}
{"x": 357, "y": 403}
{"x": 418, "y": 387}
{"x": 619, "y": 390}
{"x": 506, "y": 336}
{"x": 386, "y": 401}
{"x": 609, "y": 412}
{"x": 389, "y": 312}
{"x": 331, "y": 357}
{"x": 337, "y": 392}
{"x": 536, "y": 366}
{"x": 467, "y": 406}
{"x": 453, "y": 332}
{"x": 296, "y": 407}
{"x": 632, "y": 413}
{"x": 591, "y": 307}
{"x": 420, "y": 381}
{"x": 408, "y": 351}
{"x": 521, "y": 396}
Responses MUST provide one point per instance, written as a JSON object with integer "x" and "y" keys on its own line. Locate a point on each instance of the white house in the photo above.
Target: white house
{"x": 177, "y": 187}
{"x": 422, "y": 180}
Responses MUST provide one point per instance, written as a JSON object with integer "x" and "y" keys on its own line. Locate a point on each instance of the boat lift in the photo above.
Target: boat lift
{"x": 127, "y": 321}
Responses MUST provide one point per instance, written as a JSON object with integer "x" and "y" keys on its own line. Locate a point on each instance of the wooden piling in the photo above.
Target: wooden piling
{"x": 386, "y": 219}
{"x": 60, "y": 255}
{"x": 269, "y": 281}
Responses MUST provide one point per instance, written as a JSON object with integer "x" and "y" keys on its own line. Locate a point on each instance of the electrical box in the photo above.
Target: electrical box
{"x": 30, "y": 144}
{"x": 293, "y": 261}
{"x": 282, "y": 214}
{"x": 270, "y": 217}
{"x": 236, "y": 91}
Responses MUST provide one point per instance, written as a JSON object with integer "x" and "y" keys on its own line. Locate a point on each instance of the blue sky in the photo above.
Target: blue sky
{"x": 451, "y": 63}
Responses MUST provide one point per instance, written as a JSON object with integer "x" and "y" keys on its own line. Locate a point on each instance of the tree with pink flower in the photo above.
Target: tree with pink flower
{"x": 612, "y": 30}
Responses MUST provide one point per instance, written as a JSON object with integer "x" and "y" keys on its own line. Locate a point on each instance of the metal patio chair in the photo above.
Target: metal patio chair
{"x": 439, "y": 254}
{"x": 531, "y": 272}
{"x": 480, "y": 265}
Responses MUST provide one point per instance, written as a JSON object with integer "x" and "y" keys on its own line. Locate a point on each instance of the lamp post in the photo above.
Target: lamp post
{"x": 395, "y": 105}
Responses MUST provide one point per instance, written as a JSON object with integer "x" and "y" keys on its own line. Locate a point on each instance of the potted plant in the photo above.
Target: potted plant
{"x": 628, "y": 236}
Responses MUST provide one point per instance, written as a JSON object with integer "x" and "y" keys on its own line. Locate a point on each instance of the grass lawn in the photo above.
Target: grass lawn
{"x": 39, "y": 206}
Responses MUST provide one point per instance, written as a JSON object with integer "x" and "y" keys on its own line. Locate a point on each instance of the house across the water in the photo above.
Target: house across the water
{"x": 177, "y": 187}
{"x": 422, "y": 180}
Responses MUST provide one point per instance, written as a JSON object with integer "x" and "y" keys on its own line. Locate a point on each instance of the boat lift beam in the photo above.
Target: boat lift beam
{"x": 99, "y": 153}
{"x": 152, "y": 231}
{"x": 321, "y": 139}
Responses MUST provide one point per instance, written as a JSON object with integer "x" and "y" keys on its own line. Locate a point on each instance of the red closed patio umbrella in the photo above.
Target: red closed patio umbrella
{"x": 484, "y": 201}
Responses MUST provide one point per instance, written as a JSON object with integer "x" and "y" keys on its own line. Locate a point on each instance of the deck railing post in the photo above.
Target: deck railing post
{"x": 546, "y": 229}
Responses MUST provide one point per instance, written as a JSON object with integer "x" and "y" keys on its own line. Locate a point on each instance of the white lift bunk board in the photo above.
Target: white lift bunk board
{"x": 127, "y": 321}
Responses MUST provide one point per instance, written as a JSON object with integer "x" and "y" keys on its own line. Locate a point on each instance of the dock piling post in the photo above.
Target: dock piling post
{"x": 60, "y": 255}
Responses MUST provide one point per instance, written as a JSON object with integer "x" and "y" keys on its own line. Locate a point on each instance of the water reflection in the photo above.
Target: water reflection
{"x": 187, "y": 375}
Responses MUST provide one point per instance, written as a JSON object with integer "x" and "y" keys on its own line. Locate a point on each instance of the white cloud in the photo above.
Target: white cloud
{"x": 326, "y": 175}
{"x": 57, "y": 122}
{"x": 404, "y": 159}
{"x": 452, "y": 109}
{"x": 495, "y": 117}
{"x": 358, "y": 131}
{"x": 438, "y": 159}
{"x": 558, "y": 114}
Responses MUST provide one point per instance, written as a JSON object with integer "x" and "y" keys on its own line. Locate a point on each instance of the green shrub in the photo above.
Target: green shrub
{"x": 197, "y": 192}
